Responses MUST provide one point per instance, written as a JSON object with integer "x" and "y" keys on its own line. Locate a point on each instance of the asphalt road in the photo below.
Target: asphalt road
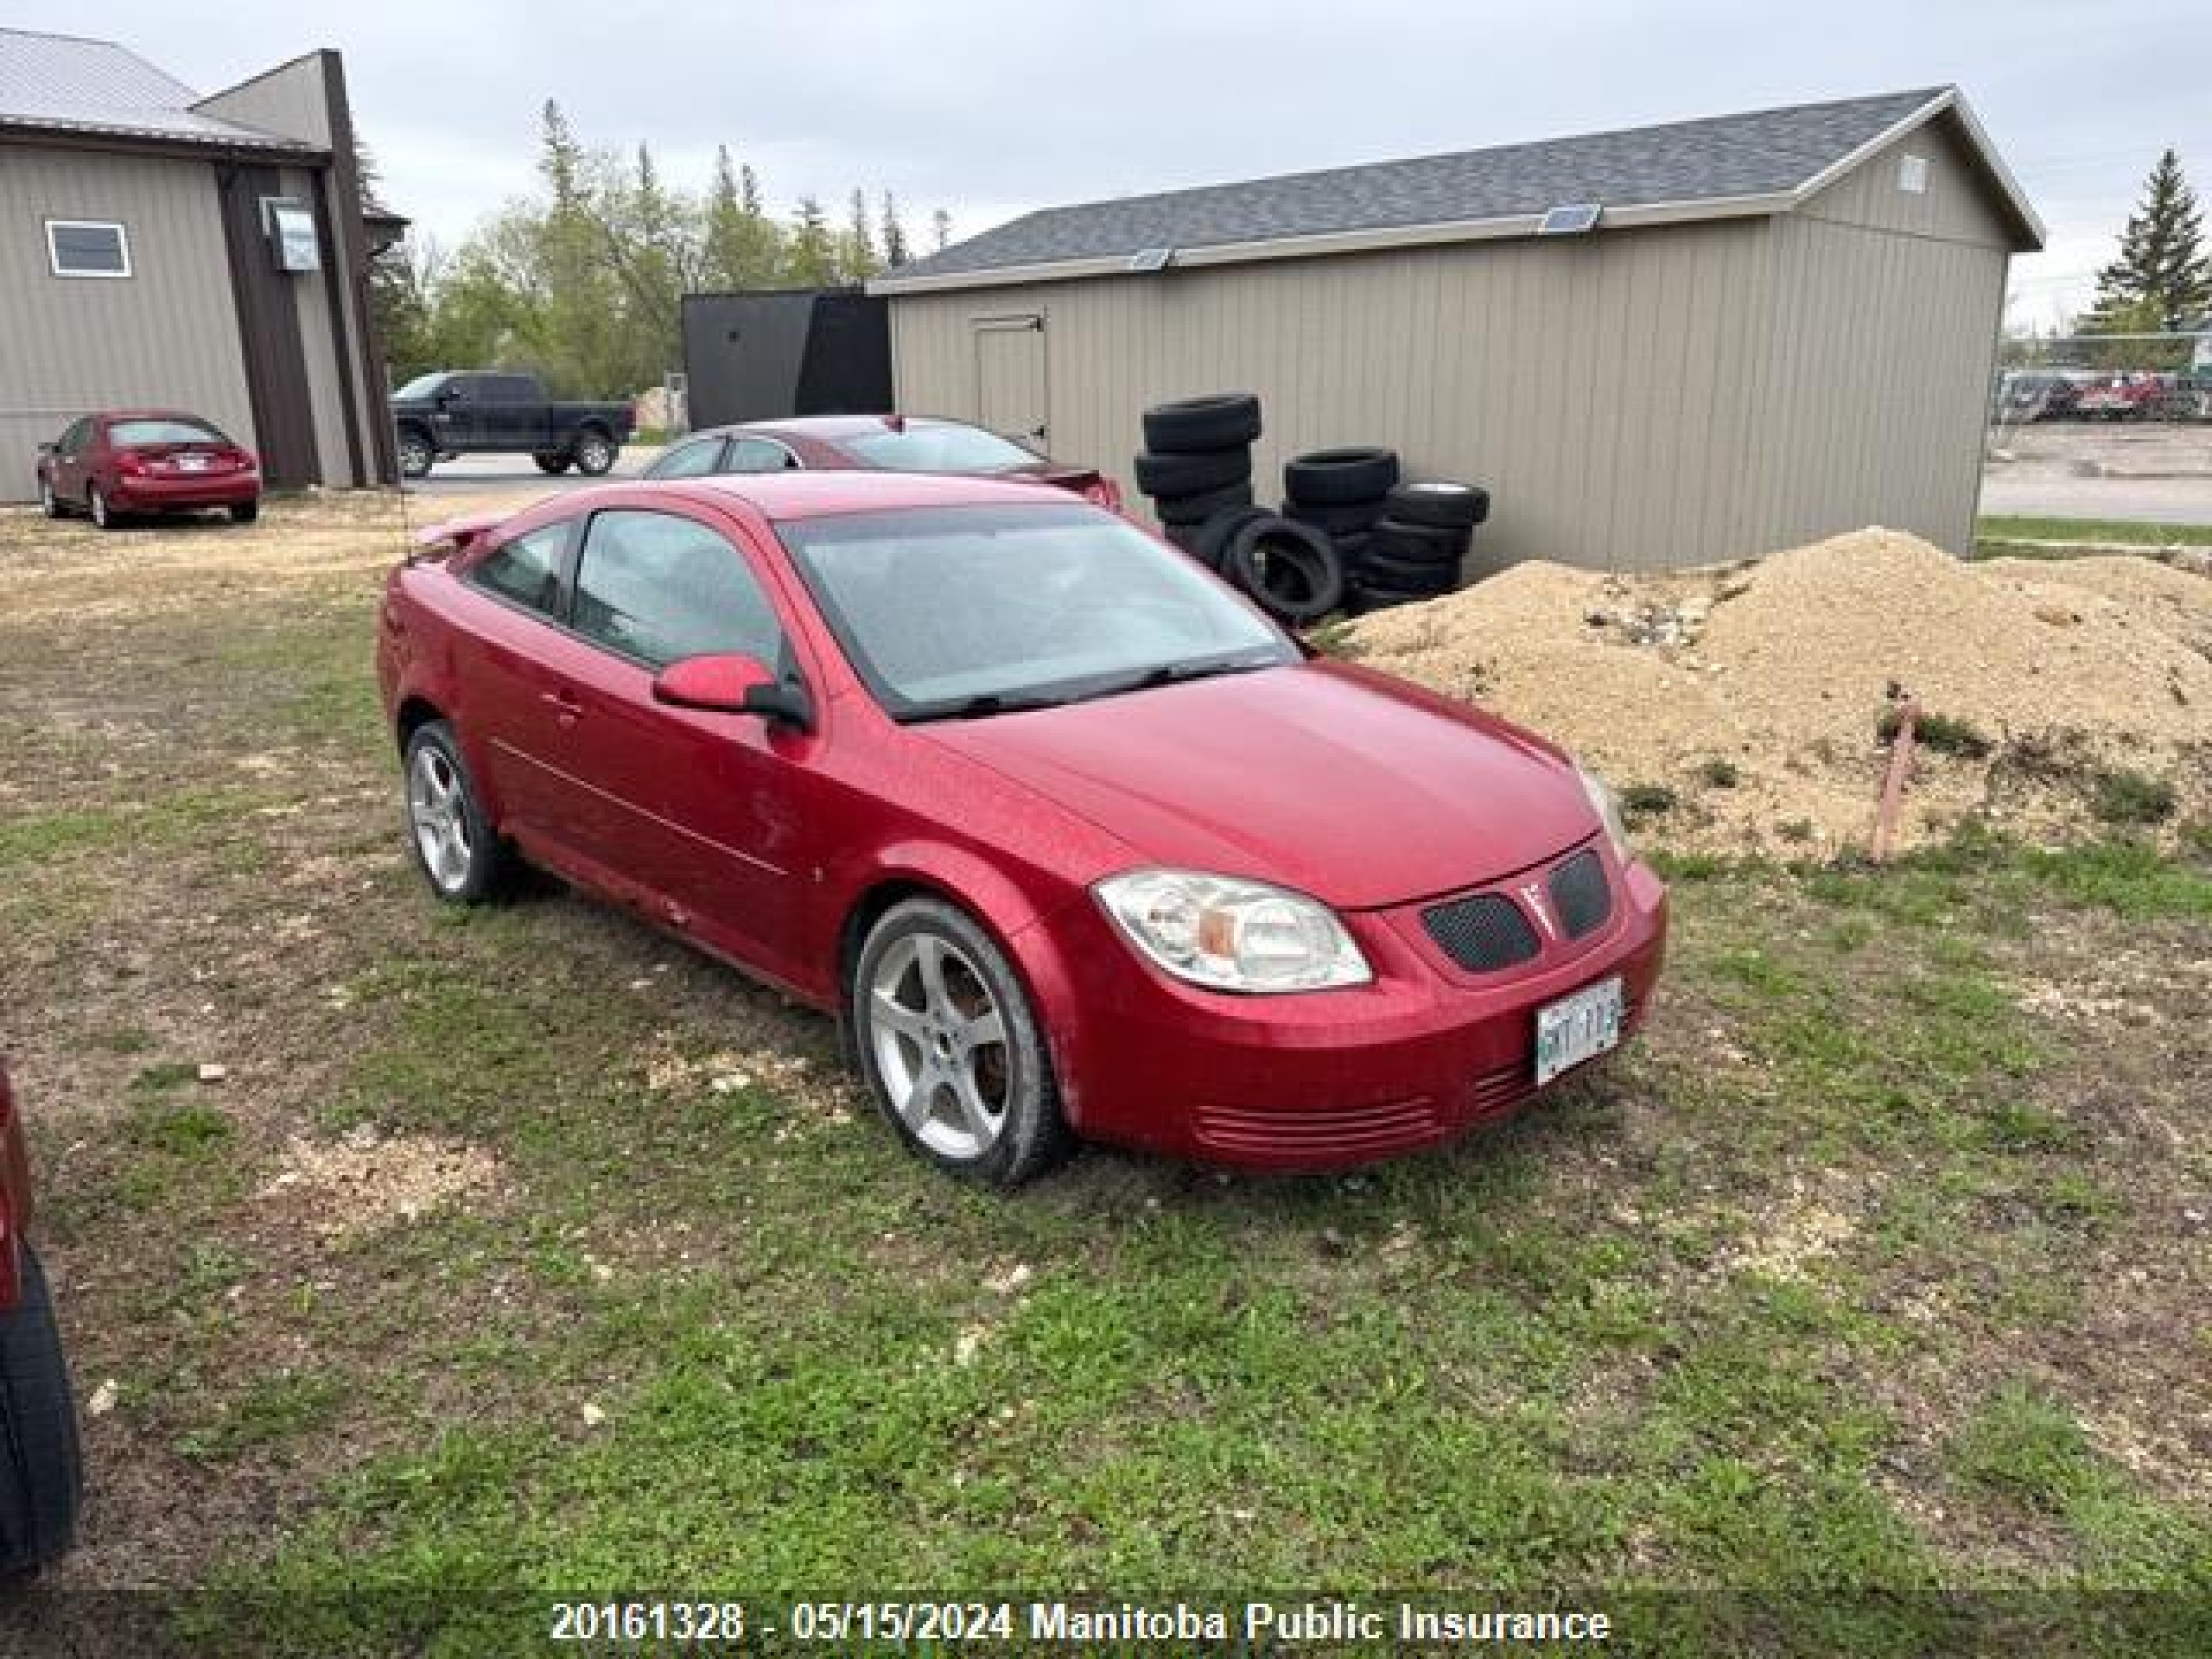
{"x": 2152, "y": 500}
{"x": 477, "y": 474}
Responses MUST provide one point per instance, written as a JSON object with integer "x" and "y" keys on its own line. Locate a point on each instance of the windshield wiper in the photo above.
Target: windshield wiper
{"x": 983, "y": 705}
{"x": 1175, "y": 673}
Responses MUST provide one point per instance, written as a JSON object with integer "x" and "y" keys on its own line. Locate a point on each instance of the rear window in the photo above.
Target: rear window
{"x": 143, "y": 435}
{"x": 938, "y": 447}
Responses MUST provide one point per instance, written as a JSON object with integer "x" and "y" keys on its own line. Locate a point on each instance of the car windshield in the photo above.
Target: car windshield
{"x": 143, "y": 435}
{"x": 981, "y": 610}
{"x": 937, "y": 447}
{"x": 422, "y": 386}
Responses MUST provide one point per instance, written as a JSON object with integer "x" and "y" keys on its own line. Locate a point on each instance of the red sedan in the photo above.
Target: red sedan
{"x": 41, "y": 1475}
{"x": 1077, "y": 842}
{"x": 145, "y": 461}
{"x": 872, "y": 443}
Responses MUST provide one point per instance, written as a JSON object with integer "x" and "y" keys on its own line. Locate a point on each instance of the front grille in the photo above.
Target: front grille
{"x": 1347, "y": 1131}
{"x": 1483, "y": 933}
{"x": 1580, "y": 892}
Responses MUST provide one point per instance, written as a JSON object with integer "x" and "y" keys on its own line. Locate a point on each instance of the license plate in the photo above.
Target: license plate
{"x": 192, "y": 463}
{"x": 1577, "y": 1028}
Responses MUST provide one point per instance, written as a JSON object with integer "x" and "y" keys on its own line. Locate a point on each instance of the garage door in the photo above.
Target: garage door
{"x": 1012, "y": 389}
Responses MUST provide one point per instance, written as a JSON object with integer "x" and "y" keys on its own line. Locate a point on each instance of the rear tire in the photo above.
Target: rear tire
{"x": 456, "y": 847}
{"x": 245, "y": 512}
{"x": 595, "y": 453}
{"x": 950, "y": 1048}
{"x": 41, "y": 1466}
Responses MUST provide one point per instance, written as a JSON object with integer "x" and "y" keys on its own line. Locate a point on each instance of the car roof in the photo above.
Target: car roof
{"x": 826, "y": 428}
{"x": 782, "y": 496}
{"x": 153, "y": 415}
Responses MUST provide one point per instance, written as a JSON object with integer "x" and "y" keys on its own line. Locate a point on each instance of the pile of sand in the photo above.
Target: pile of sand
{"x": 1751, "y": 694}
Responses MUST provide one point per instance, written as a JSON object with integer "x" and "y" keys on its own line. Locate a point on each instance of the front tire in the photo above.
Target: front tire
{"x": 459, "y": 852}
{"x": 41, "y": 1467}
{"x": 48, "y": 503}
{"x": 416, "y": 455}
{"x": 951, "y": 1049}
{"x": 595, "y": 454}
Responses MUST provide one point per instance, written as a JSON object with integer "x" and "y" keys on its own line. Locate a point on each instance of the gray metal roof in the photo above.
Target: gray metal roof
{"x": 1761, "y": 154}
{"x": 75, "y": 84}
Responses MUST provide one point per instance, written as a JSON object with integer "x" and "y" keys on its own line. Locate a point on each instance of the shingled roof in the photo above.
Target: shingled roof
{"x": 69, "y": 84}
{"x": 1763, "y": 161}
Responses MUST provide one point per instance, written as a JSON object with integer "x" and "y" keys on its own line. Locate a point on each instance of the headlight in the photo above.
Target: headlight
{"x": 1232, "y": 935}
{"x": 1608, "y": 810}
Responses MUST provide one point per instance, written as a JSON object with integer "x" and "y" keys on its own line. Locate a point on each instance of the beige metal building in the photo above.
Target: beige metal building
{"x": 1777, "y": 326}
{"x": 162, "y": 250}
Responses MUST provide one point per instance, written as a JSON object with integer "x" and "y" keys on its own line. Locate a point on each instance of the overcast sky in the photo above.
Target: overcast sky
{"x": 986, "y": 108}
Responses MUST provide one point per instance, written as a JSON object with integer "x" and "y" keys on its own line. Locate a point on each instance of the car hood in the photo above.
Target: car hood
{"x": 1342, "y": 782}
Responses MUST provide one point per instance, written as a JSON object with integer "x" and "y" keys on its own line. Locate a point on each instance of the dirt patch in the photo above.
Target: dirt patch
{"x": 365, "y": 1181}
{"x": 1750, "y": 697}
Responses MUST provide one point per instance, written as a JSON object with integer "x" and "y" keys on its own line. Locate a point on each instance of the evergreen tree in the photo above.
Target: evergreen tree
{"x": 858, "y": 261}
{"x": 810, "y": 255}
{"x": 2162, "y": 272}
{"x": 941, "y": 227}
{"x": 895, "y": 252}
{"x": 743, "y": 246}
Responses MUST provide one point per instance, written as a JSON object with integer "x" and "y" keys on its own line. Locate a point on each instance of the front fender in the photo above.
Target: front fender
{"x": 1013, "y": 912}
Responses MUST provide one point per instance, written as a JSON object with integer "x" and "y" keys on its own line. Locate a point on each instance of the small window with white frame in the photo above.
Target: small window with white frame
{"x": 87, "y": 247}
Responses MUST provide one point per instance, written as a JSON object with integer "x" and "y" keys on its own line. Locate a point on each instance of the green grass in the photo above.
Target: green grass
{"x": 2130, "y": 798}
{"x": 1997, "y": 533}
{"x": 1720, "y": 1339}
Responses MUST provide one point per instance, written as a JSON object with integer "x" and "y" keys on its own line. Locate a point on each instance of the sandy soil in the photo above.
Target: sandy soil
{"x": 1753, "y": 693}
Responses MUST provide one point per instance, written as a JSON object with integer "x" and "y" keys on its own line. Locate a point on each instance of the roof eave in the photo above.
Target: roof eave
{"x": 213, "y": 146}
{"x": 1371, "y": 240}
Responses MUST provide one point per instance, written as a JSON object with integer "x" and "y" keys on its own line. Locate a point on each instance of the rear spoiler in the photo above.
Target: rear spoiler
{"x": 455, "y": 536}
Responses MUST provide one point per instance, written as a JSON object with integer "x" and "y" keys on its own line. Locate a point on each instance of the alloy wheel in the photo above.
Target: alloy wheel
{"x": 939, "y": 1043}
{"x": 437, "y": 804}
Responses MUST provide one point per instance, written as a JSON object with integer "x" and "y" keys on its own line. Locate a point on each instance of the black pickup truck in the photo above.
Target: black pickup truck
{"x": 484, "y": 411}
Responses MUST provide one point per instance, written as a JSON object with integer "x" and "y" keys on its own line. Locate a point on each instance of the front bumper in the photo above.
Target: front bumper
{"x": 1327, "y": 1079}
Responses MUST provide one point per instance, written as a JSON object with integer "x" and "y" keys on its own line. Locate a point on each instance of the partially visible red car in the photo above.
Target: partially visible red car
{"x": 41, "y": 1469}
{"x": 123, "y": 461}
{"x": 874, "y": 443}
{"x": 1075, "y": 841}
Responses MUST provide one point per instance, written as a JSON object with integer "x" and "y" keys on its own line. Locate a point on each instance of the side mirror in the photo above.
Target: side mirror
{"x": 732, "y": 685}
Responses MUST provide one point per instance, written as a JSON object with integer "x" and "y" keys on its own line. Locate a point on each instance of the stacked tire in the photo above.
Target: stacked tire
{"x": 1340, "y": 493}
{"x": 1197, "y": 468}
{"x": 1197, "y": 464}
{"x": 1417, "y": 545}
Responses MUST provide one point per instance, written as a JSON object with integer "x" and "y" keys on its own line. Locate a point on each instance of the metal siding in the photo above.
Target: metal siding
{"x": 289, "y": 101}
{"x": 1959, "y": 204}
{"x": 167, "y": 334}
{"x": 1879, "y": 381}
{"x": 1646, "y": 399}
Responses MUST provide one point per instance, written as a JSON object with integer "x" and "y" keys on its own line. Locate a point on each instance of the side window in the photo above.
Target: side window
{"x": 694, "y": 459}
{"x": 527, "y": 570}
{"x": 508, "y": 389}
{"x": 757, "y": 455}
{"x": 463, "y": 387}
{"x": 74, "y": 440}
{"x": 657, "y": 587}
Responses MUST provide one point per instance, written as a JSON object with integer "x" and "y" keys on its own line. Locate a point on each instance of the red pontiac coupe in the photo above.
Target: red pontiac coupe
{"x": 125, "y": 462}
{"x": 1075, "y": 840}
{"x": 872, "y": 443}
